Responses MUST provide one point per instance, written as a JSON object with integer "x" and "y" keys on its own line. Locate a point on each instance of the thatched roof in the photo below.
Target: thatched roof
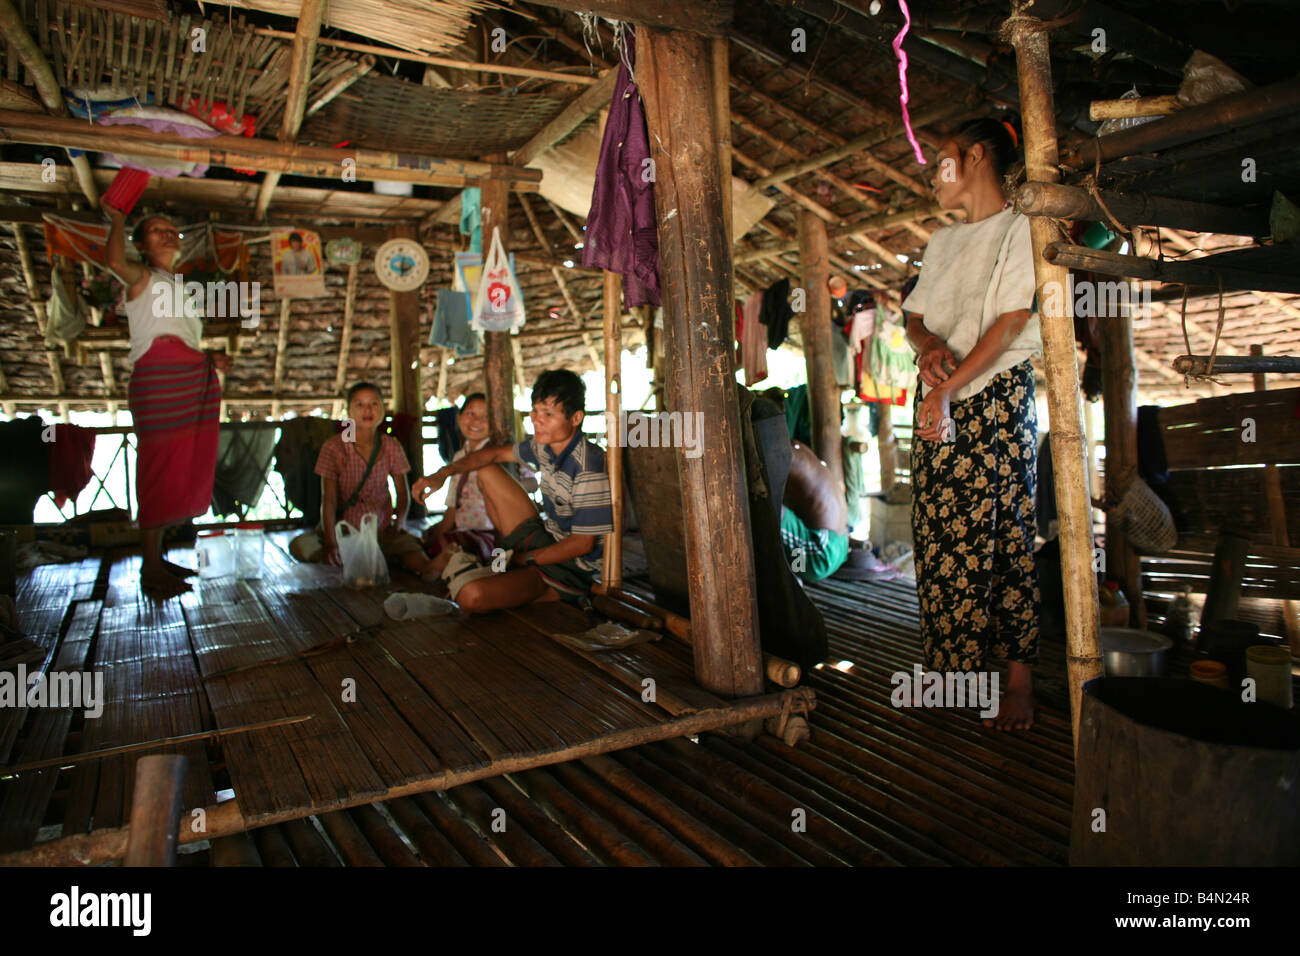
{"x": 838, "y": 83}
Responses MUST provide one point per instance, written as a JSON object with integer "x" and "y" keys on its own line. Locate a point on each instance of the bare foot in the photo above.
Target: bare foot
{"x": 1016, "y": 703}
{"x": 178, "y": 570}
{"x": 1015, "y": 711}
{"x": 158, "y": 583}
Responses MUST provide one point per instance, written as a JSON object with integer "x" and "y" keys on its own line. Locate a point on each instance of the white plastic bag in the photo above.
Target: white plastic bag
{"x": 364, "y": 564}
{"x": 403, "y": 605}
{"x": 499, "y": 305}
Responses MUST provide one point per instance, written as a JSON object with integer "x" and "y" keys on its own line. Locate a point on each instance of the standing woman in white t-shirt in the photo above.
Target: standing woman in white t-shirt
{"x": 174, "y": 394}
{"x": 970, "y": 320}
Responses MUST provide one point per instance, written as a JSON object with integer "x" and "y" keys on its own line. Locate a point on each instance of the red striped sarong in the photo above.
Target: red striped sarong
{"x": 175, "y": 402}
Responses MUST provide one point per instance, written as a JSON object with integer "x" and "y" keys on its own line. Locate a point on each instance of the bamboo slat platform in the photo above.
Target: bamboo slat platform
{"x": 392, "y": 706}
{"x": 878, "y": 786}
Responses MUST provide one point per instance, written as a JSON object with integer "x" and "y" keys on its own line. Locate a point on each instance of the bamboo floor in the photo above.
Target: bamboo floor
{"x": 875, "y": 785}
{"x": 392, "y": 706}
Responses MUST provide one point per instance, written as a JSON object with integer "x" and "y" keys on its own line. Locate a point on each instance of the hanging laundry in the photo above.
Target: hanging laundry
{"x": 71, "y": 453}
{"x": 753, "y": 341}
{"x": 622, "y": 229}
{"x": 243, "y": 461}
{"x": 451, "y": 324}
{"x": 776, "y": 312}
{"x": 471, "y": 221}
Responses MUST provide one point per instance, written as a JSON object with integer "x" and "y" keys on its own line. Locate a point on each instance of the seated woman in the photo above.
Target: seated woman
{"x": 814, "y": 521}
{"x": 357, "y": 465}
{"x": 466, "y": 523}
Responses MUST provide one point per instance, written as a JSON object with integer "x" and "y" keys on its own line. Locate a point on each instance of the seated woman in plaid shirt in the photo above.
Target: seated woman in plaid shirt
{"x": 552, "y": 559}
{"x": 342, "y": 465}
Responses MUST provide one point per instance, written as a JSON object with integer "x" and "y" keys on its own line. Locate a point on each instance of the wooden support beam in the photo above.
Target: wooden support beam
{"x": 1140, "y": 209}
{"x": 404, "y": 344}
{"x": 612, "y": 575}
{"x": 1033, "y": 63}
{"x": 808, "y": 203}
{"x": 1120, "y": 401}
{"x": 1134, "y": 107}
{"x": 156, "y": 810}
{"x": 281, "y": 347}
{"x": 1198, "y": 122}
{"x": 815, "y": 330}
{"x": 392, "y": 53}
{"x": 260, "y": 154}
{"x": 345, "y": 342}
{"x": 498, "y": 356}
{"x": 695, "y": 261}
{"x": 29, "y": 277}
{"x": 1236, "y": 269}
{"x": 306, "y": 33}
{"x": 863, "y": 227}
{"x": 593, "y": 99}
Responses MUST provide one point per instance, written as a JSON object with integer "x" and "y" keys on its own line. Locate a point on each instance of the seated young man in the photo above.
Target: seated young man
{"x": 814, "y": 521}
{"x": 551, "y": 559}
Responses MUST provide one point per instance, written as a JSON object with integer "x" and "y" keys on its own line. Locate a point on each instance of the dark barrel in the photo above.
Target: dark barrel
{"x": 1187, "y": 774}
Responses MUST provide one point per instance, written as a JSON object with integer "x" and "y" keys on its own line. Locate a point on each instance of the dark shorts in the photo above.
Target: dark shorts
{"x": 569, "y": 581}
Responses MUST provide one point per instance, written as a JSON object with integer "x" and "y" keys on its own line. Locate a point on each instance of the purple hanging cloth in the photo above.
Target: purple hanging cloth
{"x": 622, "y": 235}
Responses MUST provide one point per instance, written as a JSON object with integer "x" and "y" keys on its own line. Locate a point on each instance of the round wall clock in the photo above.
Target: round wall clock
{"x": 402, "y": 264}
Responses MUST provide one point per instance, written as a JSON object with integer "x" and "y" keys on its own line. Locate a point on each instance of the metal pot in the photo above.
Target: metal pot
{"x": 1128, "y": 652}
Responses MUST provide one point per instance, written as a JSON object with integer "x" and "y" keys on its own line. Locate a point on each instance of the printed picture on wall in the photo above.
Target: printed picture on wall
{"x": 297, "y": 261}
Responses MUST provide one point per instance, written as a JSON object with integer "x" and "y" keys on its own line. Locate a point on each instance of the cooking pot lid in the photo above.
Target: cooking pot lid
{"x": 1131, "y": 640}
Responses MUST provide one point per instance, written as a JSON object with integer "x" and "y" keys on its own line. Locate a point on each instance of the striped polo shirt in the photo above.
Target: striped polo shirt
{"x": 575, "y": 490}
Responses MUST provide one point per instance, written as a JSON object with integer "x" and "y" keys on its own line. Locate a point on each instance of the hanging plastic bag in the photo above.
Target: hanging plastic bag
{"x": 364, "y": 564}
{"x": 499, "y": 305}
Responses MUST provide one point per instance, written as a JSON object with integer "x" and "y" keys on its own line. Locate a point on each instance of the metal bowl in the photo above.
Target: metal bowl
{"x": 1128, "y": 652}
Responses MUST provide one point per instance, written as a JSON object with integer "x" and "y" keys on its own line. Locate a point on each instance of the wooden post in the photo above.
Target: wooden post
{"x": 721, "y": 64}
{"x": 1119, "y": 397}
{"x": 815, "y": 327}
{"x": 612, "y": 575}
{"x": 345, "y": 343}
{"x": 498, "y": 357}
{"x": 281, "y": 345}
{"x": 1034, "y": 68}
{"x": 155, "y": 810}
{"x": 696, "y": 276}
{"x": 404, "y": 321}
{"x": 1277, "y": 523}
{"x": 888, "y": 448}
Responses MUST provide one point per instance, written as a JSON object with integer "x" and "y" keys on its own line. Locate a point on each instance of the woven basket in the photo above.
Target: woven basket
{"x": 1144, "y": 519}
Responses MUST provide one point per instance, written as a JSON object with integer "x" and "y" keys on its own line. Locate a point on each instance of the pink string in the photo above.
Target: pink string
{"x": 902, "y": 79}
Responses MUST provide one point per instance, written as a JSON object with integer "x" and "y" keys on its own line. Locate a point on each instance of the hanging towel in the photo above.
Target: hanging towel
{"x": 753, "y": 342}
{"x": 71, "y": 453}
{"x": 451, "y": 324}
{"x": 776, "y": 312}
{"x": 243, "y": 461}
{"x": 471, "y": 222}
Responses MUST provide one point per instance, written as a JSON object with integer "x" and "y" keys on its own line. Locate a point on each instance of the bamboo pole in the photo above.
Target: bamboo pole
{"x": 591, "y": 99}
{"x": 345, "y": 343}
{"x": 1139, "y": 209}
{"x": 281, "y": 344}
{"x": 1277, "y": 520}
{"x": 1133, "y": 107}
{"x": 155, "y": 810}
{"x": 1234, "y": 269}
{"x": 253, "y": 153}
{"x": 1033, "y": 63}
{"x": 20, "y": 42}
{"x": 1237, "y": 364}
{"x": 306, "y": 32}
{"x": 849, "y": 228}
{"x": 327, "y": 96}
{"x": 225, "y": 819}
{"x": 393, "y": 53}
{"x": 613, "y": 556}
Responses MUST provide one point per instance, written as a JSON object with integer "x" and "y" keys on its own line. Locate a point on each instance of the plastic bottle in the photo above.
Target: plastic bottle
{"x": 215, "y": 553}
{"x": 250, "y": 554}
